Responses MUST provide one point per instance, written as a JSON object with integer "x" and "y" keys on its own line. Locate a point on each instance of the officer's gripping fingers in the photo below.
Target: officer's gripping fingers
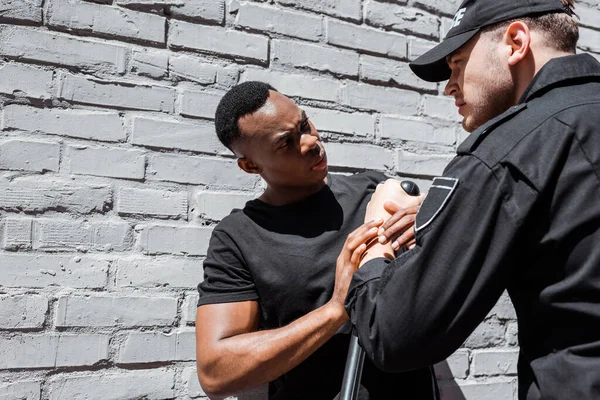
{"x": 391, "y": 207}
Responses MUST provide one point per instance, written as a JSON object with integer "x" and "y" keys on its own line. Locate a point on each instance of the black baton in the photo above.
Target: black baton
{"x": 356, "y": 355}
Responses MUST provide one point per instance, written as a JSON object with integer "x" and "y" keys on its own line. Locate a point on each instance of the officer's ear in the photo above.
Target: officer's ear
{"x": 518, "y": 39}
{"x": 248, "y": 165}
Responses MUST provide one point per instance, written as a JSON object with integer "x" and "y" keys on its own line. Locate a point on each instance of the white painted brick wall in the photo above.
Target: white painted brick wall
{"x": 21, "y": 10}
{"x": 40, "y": 271}
{"x": 47, "y": 351}
{"x": 156, "y": 272}
{"x": 23, "y": 80}
{"x": 358, "y": 156}
{"x": 22, "y": 311}
{"x": 174, "y": 239}
{"x": 112, "y": 179}
{"x": 157, "y": 347}
{"x": 159, "y": 203}
{"x": 348, "y": 9}
{"x": 402, "y": 19}
{"x": 192, "y": 69}
{"x": 417, "y": 130}
{"x": 378, "y": 98}
{"x": 213, "y": 39}
{"x": 199, "y": 104}
{"x": 43, "y": 46}
{"x": 341, "y": 122}
{"x": 149, "y": 63}
{"x": 217, "y": 205}
{"x": 155, "y": 384}
{"x": 296, "y": 85}
{"x": 115, "y": 311}
{"x": 93, "y": 125}
{"x": 371, "y": 40}
{"x": 314, "y": 57}
{"x": 172, "y": 134}
{"x": 198, "y": 171}
{"x": 29, "y": 155}
{"x": 99, "y": 19}
{"x": 272, "y": 19}
{"x": 101, "y": 161}
{"x": 116, "y": 94}
{"x": 63, "y": 234}
{"x": 27, "y": 390}
{"x": 203, "y": 10}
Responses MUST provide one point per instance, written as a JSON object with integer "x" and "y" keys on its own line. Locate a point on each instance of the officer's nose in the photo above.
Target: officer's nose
{"x": 451, "y": 87}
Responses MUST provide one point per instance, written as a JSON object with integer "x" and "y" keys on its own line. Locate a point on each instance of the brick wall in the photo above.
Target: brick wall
{"x": 112, "y": 178}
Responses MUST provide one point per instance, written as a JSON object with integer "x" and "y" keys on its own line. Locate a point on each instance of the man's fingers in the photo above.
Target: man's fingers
{"x": 357, "y": 254}
{"x": 362, "y": 234}
{"x": 406, "y": 239}
{"x": 400, "y": 222}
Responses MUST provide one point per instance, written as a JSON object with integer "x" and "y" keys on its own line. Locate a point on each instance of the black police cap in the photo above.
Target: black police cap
{"x": 472, "y": 15}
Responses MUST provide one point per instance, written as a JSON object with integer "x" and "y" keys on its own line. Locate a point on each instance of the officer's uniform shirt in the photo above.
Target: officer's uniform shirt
{"x": 517, "y": 209}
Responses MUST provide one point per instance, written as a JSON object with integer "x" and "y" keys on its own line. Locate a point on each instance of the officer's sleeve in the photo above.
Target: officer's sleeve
{"x": 419, "y": 308}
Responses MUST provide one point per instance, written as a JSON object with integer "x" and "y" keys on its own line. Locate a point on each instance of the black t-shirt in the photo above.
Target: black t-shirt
{"x": 285, "y": 258}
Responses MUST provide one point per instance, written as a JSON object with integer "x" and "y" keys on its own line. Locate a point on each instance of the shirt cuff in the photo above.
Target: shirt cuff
{"x": 371, "y": 270}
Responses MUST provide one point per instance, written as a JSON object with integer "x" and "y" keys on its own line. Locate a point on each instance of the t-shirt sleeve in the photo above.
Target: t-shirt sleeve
{"x": 226, "y": 275}
{"x": 375, "y": 177}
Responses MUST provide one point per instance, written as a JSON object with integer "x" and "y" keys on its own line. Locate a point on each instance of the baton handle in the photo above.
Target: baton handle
{"x": 354, "y": 366}
{"x": 356, "y": 355}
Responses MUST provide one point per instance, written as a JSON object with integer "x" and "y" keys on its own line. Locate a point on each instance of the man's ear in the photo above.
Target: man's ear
{"x": 518, "y": 38}
{"x": 248, "y": 165}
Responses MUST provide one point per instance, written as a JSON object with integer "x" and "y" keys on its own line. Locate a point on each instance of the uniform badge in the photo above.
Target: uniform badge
{"x": 436, "y": 199}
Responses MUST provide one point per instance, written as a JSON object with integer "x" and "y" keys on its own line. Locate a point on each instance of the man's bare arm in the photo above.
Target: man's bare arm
{"x": 233, "y": 356}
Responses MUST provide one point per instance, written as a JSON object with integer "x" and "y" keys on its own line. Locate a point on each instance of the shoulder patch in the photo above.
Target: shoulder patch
{"x": 436, "y": 199}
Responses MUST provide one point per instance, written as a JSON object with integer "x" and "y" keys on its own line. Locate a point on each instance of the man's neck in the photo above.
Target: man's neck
{"x": 281, "y": 196}
{"x": 528, "y": 72}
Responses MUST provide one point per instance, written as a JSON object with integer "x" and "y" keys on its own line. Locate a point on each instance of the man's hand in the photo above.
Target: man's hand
{"x": 349, "y": 259}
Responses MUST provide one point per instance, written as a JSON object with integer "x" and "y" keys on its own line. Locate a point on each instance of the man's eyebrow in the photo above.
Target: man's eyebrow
{"x": 283, "y": 137}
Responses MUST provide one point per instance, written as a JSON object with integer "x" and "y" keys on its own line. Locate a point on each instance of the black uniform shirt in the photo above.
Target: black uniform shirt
{"x": 285, "y": 258}
{"x": 517, "y": 209}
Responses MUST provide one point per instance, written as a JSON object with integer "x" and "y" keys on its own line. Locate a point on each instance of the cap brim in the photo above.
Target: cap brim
{"x": 432, "y": 65}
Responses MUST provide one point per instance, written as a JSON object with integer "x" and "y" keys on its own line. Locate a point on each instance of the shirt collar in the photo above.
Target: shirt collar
{"x": 559, "y": 70}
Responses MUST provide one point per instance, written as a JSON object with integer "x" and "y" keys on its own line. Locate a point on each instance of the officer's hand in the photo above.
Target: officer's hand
{"x": 399, "y": 227}
{"x": 349, "y": 259}
{"x": 390, "y": 190}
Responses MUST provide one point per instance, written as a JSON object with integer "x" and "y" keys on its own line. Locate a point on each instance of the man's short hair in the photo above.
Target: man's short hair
{"x": 560, "y": 29}
{"x": 240, "y": 100}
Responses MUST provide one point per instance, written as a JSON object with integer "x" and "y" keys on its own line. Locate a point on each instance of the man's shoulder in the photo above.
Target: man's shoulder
{"x": 361, "y": 180}
{"x": 232, "y": 223}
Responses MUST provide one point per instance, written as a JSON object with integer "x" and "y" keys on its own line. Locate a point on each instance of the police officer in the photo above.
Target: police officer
{"x": 517, "y": 209}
